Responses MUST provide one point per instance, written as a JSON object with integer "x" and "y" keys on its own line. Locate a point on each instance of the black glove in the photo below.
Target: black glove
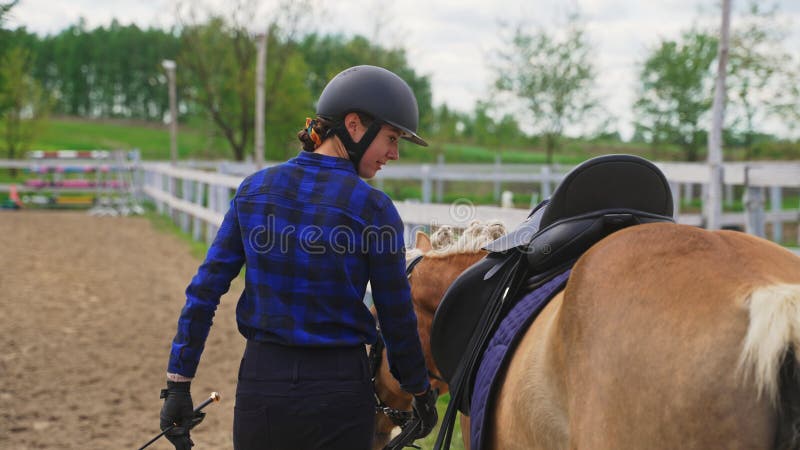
{"x": 178, "y": 411}
{"x": 425, "y": 407}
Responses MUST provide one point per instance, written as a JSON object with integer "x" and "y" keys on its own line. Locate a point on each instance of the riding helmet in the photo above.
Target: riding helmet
{"x": 376, "y": 92}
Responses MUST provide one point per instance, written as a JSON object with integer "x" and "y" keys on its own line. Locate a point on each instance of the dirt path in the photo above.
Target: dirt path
{"x": 88, "y": 307}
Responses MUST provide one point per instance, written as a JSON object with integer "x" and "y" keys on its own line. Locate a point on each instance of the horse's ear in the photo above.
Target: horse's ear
{"x": 423, "y": 242}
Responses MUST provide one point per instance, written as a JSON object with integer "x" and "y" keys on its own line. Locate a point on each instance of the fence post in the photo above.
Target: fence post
{"x": 160, "y": 182}
{"x": 498, "y": 169}
{"x": 187, "y": 191}
{"x": 675, "y": 187}
{"x": 704, "y": 200}
{"x": 149, "y": 179}
{"x": 137, "y": 177}
{"x": 546, "y": 182}
{"x": 224, "y": 199}
{"x": 754, "y": 205}
{"x": 213, "y": 197}
{"x": 688, "y": 193}
{"x": 776, "y": 202}
{"x": 197, "y": 226}
{"x": 426, "y": 183}
{"x": 728, "y": 195}
{"x": 439, "y": 181}
{"x": 534, "y": 199}
{"x": 171, "y": 188}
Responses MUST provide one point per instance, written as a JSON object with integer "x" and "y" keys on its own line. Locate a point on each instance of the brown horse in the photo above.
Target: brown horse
{"x": 666, "y": 336}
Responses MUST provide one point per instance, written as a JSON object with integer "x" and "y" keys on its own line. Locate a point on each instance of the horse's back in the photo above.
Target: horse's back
{"x": 644, "y": 346}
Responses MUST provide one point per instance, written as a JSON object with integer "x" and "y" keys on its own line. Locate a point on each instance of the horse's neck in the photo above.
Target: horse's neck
{"x": 462, "y": 261}
{"x": 453, "y": 265}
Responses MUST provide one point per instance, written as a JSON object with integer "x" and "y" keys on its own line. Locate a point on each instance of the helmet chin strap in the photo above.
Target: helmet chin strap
{"x": 356, "y": 150}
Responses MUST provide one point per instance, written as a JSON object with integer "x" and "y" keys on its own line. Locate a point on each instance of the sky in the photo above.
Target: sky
{"x": 453, "y": 41}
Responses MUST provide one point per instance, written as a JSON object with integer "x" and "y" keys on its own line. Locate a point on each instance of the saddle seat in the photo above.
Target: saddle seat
{"x": 598, "y": 197}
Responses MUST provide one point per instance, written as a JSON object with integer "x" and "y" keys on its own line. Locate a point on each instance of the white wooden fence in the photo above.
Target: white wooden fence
{"x": 197, "y": 194}
{"x": 198, "y": 199}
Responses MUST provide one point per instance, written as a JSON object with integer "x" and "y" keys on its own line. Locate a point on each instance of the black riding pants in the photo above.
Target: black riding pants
{"x": 295, "y": 398}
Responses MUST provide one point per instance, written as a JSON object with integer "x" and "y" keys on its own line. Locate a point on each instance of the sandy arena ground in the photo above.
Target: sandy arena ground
{"x": 88, "y": 308}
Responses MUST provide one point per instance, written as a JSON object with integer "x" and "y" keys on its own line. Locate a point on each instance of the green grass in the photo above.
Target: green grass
{"x": 788, "y": 202}
{"x": 457, "y": 443}
{"x": 152, "y": 139}
{"x": 201, "y": 140}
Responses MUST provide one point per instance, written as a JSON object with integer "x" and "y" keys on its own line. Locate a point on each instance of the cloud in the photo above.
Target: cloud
{"x": 452, "y": 41}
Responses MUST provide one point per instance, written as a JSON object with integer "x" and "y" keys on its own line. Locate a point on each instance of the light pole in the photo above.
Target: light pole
{"x": 169, "y": 66}
{"x": 261, "y": 62}
{"x": 712, "y": 205}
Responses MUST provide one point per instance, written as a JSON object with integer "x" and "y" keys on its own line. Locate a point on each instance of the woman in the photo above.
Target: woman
{"x": 312, "y": 234}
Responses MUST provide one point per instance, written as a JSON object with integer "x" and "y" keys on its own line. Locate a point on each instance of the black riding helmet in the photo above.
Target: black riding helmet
{"x": 374, "y": 91}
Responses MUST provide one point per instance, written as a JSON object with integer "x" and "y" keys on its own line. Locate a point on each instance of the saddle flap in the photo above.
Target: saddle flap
{"x": 458, "y": 314}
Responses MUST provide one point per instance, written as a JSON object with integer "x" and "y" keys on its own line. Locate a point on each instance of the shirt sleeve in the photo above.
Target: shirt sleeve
{"x": 392, "y": 297}
{"x": 213, "y": 279}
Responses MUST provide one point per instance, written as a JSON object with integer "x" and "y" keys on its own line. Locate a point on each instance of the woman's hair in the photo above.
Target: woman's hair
{"x": 319, "y": 129}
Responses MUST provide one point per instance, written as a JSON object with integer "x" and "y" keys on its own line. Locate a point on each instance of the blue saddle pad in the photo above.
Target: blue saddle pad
{"x": 505, "y": 339}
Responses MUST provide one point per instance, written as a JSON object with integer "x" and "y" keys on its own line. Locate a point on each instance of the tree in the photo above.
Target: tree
{"x": 5, "y": 8}
{"x": 5, "y": 37}
{"x": 552, "y": 75}
{"x": 675, "y": 91}
{"x": 217, "y": 63}
{"x": 105, "y": 72}
{"x": 757, "y": 61}
{"x": 217, "y": 66}
{"x": 788, "y": 107}
{"x": 448, "y": 125}
{"x": 22, "y": 102}
{"x": 482, "y": 128}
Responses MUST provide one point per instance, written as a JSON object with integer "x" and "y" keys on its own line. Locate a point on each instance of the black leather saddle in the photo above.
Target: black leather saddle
{"x": 598, "y": 197}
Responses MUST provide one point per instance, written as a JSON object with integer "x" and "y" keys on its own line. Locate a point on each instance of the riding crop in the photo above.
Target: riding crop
{"x": 198, "y": 417}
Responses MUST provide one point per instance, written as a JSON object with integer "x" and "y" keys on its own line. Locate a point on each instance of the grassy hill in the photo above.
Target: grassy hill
{"x": 151, "y": 139}
{"x": 201, "y": 141}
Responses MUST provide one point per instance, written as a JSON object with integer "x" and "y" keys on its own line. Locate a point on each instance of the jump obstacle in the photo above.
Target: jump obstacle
{"x": 99, "y": 179}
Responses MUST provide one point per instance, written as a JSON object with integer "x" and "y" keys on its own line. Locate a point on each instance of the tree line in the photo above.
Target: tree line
{"x": 116, "y": 72}
{"x": 545, "y": 81}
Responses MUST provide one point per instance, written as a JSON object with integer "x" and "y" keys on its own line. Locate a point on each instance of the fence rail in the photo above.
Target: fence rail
{"x": 203, "y": 196}
{"x": 197, "y": 193}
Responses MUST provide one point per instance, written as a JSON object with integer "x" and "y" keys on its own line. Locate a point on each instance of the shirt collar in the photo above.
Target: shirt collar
{"x": 305, "y": 158}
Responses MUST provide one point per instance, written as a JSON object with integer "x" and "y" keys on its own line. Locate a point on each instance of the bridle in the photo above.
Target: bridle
{"x": 398, "y": 417}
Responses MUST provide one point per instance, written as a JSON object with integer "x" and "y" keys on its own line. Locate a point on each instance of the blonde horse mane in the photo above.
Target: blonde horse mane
{"x": 446, "y": 242}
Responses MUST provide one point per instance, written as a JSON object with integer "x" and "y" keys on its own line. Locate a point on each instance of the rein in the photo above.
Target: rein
{"x": 399, "y": 417}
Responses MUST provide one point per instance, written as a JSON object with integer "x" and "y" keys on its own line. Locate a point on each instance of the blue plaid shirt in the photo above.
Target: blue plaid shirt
{"x": 311, "y": 234}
